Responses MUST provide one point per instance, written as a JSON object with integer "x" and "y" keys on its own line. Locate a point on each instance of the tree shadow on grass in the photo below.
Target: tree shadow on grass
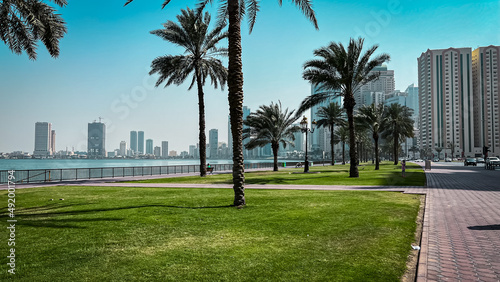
{"x": 63, "y": 223}
{"x": 44, "y": 217}
{"x": 86, "y": 211}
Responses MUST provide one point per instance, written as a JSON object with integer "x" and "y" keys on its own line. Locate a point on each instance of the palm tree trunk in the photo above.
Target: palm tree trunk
{"x": 332, "y": 143}
{"x": 349, "y": 103}
{"x": 275, "y": 148}
{"x": 395, "y": 150}
{"x": 377, "y": 161}
{"x": 343, "y": 152}
{"x": 201, "y": 122}
{"x": 235, "y": 97}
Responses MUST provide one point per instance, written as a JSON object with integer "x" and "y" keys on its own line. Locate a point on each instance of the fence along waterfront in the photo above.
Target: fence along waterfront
{"x": 69, "y": 174}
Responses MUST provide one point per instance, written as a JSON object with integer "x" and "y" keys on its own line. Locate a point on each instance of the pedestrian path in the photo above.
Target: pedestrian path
{"x": 461, "y": 236}
{"x": 461, "y": 229}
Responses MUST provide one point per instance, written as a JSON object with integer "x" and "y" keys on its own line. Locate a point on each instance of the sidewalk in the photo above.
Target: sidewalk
{"x": 461, "y": 236}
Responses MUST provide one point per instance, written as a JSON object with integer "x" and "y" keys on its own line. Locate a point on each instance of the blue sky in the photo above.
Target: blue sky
{"x": 105, "y": 59}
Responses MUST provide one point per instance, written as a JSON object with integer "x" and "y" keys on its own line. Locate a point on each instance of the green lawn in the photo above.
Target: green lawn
{"x": 165, "y": 234}
{"x": 388, "y": 175}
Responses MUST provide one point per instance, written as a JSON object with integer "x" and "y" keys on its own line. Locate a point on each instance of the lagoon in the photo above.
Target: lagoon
{"x": 31, "y": 164}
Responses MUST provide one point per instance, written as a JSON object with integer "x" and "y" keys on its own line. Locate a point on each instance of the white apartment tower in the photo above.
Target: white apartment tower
{"x": 486, "y": 76}
{"x": 446, "y": 101}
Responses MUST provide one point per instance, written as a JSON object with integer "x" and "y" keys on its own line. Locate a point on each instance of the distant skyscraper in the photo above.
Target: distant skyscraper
{"x": 133, "y": 141}
{"x": 486, "y": 78}
{"x": 140, "y": 142}
{"x": 320, "y": 138}
{"x": 299, "y": 140}
{"x": 213, "y": 141}
{"x": 123, "y": 148}
{"x": 149, "y": 146}
{"x": 192, "y": 149}
{"x": 96, "y": 140}
{"x": 164, "y": 149}
{"x": 53, "y": 141}
{"x": 157, "y": 151}
{"x": 446, "y": 95}
{"x": 384, "y": 83}
{"x": 43, "y": 134}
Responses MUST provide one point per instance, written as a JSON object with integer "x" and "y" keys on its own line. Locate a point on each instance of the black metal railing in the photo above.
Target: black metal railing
{"x": 69, "y": 174}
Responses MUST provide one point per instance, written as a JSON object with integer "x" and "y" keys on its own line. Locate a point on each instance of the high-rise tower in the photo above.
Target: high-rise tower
{"x": 96, "y": 140}
{"x": 43, "y": 145}
{"x": 133, "y": 141}
{"x": 486, "y": 78}
{"x": 140, "y": 142}
{"x": 446, "y": 95}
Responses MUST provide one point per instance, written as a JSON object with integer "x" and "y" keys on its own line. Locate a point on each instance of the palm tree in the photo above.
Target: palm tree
{"x": 342, "y": 71}
{"x": 343, "y": 133}
{"x": 23, "y": 23}
{"x": 372, "y": 118}
{"x": 414, "y": 149}
{"x": 234, "y": 11}
{"x": 329, "y": 116}
{"x": 270, "y": 124}
{"x": 398, "y": 126}
{"x": 201, "y": 49}
{"x": 451, "y": 146}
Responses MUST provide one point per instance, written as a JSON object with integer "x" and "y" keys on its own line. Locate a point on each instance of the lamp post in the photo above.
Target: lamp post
{"x": 304, "y": 128}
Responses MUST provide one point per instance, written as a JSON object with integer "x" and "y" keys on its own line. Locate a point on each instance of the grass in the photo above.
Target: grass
{"x": 170, "y": 234}
{"x": 388, "y": 175}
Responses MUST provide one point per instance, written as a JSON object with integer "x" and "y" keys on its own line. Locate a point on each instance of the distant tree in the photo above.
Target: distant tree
{"x": 398, "y": 125}
{"x": 24, "y": 23}
{"x": 439, "y": 150}
{"x": 270, "y": 124}
{"x": 372, "y": 118}
{"x": 198, "y": 59}
{"x": 329, "y": 116}
{"x": 414, "y": 149}
{"x": 451, "y": 146}
{"x": 347, "y": 70}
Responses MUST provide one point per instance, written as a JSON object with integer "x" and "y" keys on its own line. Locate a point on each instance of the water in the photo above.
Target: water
{"x": 26, "y": 164}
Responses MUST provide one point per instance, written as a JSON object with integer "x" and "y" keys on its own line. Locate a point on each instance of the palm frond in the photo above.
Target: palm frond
{"x": 26, "y": 22}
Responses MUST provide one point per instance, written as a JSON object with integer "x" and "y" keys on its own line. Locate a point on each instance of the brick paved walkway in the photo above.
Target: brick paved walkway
{"x": 461, "y": 240}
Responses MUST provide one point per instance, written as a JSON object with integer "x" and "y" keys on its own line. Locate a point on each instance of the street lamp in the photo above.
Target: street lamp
{"x": 305, "y": 129}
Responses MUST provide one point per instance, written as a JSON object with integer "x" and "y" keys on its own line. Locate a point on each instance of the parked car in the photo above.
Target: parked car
{"x": 492, "y": 162}
{"x": 419, "y": 160}
{"x": 480, "y": 160}
{"x": 447, "y": 160}
{"x": 470, "y": 161}
{"x": 435, "y": 160}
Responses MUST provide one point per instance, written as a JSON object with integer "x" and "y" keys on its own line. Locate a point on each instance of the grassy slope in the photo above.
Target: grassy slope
{"x": 116, "y": 234}
{"x": 388, "y": 174}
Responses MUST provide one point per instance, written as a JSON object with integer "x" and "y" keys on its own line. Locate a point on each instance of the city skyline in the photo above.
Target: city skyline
{"x": 111, "y": 78}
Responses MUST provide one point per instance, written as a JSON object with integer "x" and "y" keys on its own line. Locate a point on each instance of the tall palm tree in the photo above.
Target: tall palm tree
{"x": 329, "y": 116}
{"x": 199, "y": 59}
{"x": 398, "y": 126}
{"x": 234, "y": 11}
{"x": 372, "y": 118}
{"x": 343, "y": 133}
{"x": 270, "y": 124}
{"x": 343, "y": 71}
{"x": 23, "y": 23}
